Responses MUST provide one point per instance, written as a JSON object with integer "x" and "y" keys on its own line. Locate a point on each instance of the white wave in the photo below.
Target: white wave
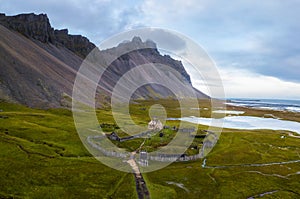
{"x": 293, "y": 109}
{"x": 290, "y": 108}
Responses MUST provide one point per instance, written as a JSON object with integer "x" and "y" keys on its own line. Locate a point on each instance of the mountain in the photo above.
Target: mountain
{"x": 38, "y": 64}
{"x": 38, "y": 27}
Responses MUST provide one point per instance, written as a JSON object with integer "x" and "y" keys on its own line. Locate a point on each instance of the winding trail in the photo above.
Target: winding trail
{"x": 141, "y": 188}
{"x": 292, "y": 135}
{"x": 262, "y": 194}
{"x": 247, "y": 165}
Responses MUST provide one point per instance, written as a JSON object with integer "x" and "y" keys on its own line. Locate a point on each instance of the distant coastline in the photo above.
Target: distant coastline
{"x": 268, "y": 104}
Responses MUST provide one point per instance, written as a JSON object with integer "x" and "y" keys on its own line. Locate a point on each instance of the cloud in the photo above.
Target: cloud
{"x": 257, "y": 37}
{"x": 172, "y": 11}
{"x": 244, "y": 83}
{"x": 96, "y": 19}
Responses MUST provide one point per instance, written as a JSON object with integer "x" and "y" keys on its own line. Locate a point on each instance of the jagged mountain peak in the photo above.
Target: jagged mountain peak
{"x": 39, "y": 70}
{"x": 135, "y": 43}
{"x": 38, "y": 27}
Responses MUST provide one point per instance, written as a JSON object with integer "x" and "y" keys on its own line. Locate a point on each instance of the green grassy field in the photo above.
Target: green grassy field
{"x": 236, "y": 149}
{"x": 41, "y": 156}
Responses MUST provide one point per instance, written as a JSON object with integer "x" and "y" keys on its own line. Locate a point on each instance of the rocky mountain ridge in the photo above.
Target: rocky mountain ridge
{"x": 38, "y": 65}
{"x": 38, "y": 27}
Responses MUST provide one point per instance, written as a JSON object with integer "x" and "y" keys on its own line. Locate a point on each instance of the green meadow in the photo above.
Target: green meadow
{"x": 41, "y": 156}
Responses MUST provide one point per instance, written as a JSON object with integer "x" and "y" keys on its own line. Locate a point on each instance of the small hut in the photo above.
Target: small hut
{"x": 114, "y": 136}
{"x": 155, "y": 124}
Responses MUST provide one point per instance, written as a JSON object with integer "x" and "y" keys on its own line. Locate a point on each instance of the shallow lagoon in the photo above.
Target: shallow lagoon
{"x": 245, "y": 122}
{"x": 229, "y": 112}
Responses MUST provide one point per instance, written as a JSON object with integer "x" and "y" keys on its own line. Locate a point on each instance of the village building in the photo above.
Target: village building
{"x": 155, "y": 124}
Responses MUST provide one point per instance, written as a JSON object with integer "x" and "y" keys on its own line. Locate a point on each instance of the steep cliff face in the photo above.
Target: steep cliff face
{"x": 38, "y": 65}
{"x": 35, "y": 75}
{"x": 148, "y": 53}
{"x": 30, "y": 25}
{"x": 76, "y": 43}
{"x": 164, "y": 81}
{"x": 37, "y": 27}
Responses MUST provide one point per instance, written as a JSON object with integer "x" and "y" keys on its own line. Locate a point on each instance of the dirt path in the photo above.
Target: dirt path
{"x": 295, "y": 136}
{"x": 140, "y": 183}
{"x": 247, "y": 165}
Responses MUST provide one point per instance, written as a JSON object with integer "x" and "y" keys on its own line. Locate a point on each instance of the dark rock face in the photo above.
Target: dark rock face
{"x": 34, "y": 73}
{"x": 39, "y": 70}
{"x": 146, "y": 53}
{"x": 38, "y": 27}
{"x": 76, "y": 43}
{"x": 30, "y": 25}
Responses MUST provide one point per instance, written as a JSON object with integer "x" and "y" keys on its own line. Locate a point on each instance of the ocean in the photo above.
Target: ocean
{"x": 245, "y": 122}
{"x": 273, "y": 104}
{"x": 251, "y": 122}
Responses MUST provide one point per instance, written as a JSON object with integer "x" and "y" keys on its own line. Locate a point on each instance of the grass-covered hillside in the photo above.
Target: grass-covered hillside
{"x": 41, "y": 156}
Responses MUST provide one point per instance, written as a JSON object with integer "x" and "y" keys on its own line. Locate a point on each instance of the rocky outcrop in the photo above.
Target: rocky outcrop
{"x": 146, "y": 53}
{"x": 30, "y": 25}
{"x": 148, "y": 49}
{"x": 39, "y": 70}
{"x": 76, "y": 43}
{"x": 38, "y": 27}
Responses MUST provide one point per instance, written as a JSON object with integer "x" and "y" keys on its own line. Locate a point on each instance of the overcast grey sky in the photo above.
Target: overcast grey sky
{"x": 255, "y": 43}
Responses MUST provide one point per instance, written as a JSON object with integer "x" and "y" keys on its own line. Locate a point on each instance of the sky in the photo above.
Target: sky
{"x": 254, "y": 43}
